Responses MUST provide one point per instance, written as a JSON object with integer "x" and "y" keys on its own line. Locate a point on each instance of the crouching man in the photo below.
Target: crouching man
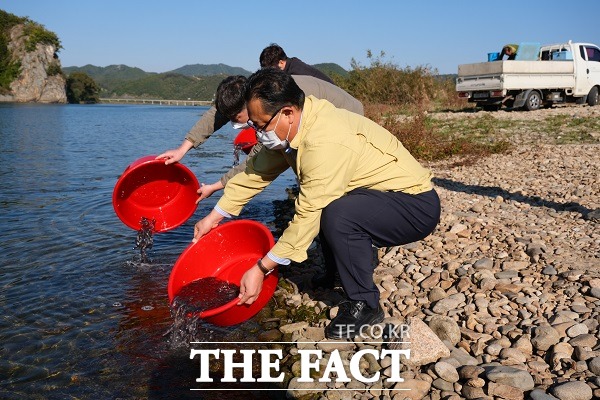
{"x": 359, "y": 187}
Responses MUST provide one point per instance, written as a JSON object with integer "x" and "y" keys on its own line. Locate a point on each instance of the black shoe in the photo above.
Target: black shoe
{"x": 352, "y": 316}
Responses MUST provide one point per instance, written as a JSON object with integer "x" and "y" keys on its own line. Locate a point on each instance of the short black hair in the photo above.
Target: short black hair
{"x": 275, "y": 89}
{"x": 229, "y": 100}
{"x": 271, "y": 55}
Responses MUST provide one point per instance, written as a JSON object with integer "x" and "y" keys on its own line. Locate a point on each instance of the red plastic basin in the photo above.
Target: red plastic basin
{"x": 246, "y": 139}
{"x": 149, "y": 188}
{"x": 226, "y": 252}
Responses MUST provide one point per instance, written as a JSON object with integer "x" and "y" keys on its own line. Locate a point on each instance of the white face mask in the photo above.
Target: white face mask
{"x": 270, "y": 140}
{"x": 239, "y": 125}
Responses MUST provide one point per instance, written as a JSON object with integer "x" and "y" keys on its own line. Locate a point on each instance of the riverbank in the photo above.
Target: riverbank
{"x": 509, "y": 282}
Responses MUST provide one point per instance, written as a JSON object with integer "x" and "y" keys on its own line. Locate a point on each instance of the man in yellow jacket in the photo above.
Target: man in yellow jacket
{"x": 359, "y": 187}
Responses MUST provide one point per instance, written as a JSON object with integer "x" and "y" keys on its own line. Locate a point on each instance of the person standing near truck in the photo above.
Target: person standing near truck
{"x": 509, "y": 50}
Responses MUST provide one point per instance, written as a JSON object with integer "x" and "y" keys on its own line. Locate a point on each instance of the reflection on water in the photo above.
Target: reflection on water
{"x": 84, "y": 315}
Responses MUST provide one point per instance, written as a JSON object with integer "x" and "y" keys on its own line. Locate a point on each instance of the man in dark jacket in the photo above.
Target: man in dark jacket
{"x": 274, "y": 56}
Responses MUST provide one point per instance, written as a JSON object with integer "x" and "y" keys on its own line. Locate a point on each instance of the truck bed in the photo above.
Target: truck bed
{"x": 516, "y": 67}
{"x": 515, "y": 75}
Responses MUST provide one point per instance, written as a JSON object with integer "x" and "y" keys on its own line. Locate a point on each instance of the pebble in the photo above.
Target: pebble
{"x": 538, "y": 394}
{"x": 545, "y": 337}
{"x": 506, "y": 297}
{"x": 467, "y": 372}
{"x": 445, "y": 328}
{"x": 576, "y": 330}
{"x": 510, "y": 376}
{"x": 446, "y": 371}
{"x": 594, "y": 366}
{"x": 574, "y": 390}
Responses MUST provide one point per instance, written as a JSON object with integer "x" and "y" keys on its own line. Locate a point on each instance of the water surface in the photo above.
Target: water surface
{"x": 80, "y": 315}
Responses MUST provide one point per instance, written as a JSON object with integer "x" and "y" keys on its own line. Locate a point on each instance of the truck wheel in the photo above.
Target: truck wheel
{"x": 592, "y": 97}
{"x": 534, "y": 101}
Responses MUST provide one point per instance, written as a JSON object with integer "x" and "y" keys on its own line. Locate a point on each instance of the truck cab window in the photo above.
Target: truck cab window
{"x": 593, "y": 54}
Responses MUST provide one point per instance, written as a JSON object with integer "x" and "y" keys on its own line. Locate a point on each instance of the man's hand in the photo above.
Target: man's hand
{"x": 206, "y": 224}
{"x": 207, "y": 190}
{"x": 175, "y": 155}
{"x": 251, "y": 285}
{"x": 171, "y": 156}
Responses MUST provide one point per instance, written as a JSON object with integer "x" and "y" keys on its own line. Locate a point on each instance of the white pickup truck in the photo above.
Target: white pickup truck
{"x": 558, "y": 73}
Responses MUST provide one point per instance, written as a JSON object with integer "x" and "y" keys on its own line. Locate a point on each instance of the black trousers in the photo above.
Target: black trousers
{"x": 353, "y": 223}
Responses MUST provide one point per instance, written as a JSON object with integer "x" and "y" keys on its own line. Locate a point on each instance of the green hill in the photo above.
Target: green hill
{"x": 169, "y": 86}
{"x": 331, "y": 69}
{"x": 109, "y": 77}
{"x": 210, "y": 69}
{"x": 194, "y": 82}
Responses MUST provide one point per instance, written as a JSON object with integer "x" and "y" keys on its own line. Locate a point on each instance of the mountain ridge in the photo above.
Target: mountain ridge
{"x": 192, "y": 81}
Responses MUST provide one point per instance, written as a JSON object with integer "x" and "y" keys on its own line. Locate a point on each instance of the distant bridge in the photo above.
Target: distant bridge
{"x": 158, "y": 102}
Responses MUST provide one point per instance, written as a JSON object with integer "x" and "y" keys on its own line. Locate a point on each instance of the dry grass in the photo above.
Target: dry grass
{"x": 400, "y": 99}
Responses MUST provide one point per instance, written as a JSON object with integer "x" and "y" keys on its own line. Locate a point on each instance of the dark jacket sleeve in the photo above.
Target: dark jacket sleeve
{"x": 295, "y": 66}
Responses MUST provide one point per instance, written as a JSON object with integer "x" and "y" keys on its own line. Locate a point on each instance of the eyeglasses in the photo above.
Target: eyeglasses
{"x": 262, "y": 129}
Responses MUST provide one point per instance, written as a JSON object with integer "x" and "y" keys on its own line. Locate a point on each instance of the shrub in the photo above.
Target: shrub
{"x": 81, "y": 88}
{"x": 36, "y": 33}
{"x": 9, "y": 70}
{"x": 384, "y": 82}
{"x": 400, "y": 99}
{"x": 54, "y": 69}
{"x": 423, "y": 139}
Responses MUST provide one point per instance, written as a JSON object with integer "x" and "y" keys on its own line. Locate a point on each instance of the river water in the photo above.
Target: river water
{"x": 80, "y": 315}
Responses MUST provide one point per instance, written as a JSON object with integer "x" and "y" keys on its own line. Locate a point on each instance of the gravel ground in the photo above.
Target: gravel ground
{"x": 502, "y": 299}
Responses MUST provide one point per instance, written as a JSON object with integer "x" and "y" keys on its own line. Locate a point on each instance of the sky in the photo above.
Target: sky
{"x": 160, "y": 36}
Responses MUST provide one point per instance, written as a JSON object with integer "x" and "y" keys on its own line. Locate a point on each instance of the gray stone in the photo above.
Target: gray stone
{"x": 585, "y": 340}
{"x": 445, "y": 328}
{"x": 577, "y": 329}
{"x": 573, "y": 390}
{"x": 463, "y": 357}
{"x": 508, "y": 274}
{"x": 510, "y": 376}
{"x": 484, "y": 263}
{"x": 442, "y": 384}
{"x": 594, "y": 365}
{"x": 446, "y": 371}
{"x": 449, "y": 303}
{"x": 595, "y": 292}
{"x": 539, "y": 394}
{"x": 545, "y": 337}
{"x": 549, "y": 270}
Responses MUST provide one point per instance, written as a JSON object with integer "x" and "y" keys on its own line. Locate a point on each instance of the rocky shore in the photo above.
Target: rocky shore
{"x": 502, "y": 299}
